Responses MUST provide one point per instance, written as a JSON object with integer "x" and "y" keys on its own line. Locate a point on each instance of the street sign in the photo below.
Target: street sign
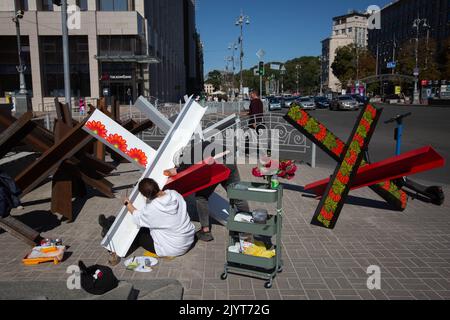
{"x": 391, "y": 65}
{"x": 416, "y": 72}
{"x": 274, "y": 66}
{"x": 260, "y": 54}
{"x": 398, "y": 90}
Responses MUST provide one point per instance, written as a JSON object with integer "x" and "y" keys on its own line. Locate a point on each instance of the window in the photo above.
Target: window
{"x": 22, "y": 5}
{"x": 115, "y": 5}
{"x": 47, "y": 5}
{"x": 350, "y": 30}
{"x": 83, "y": 5}
{"x": 9, "y": 80}
{"x": 53, "y": 69}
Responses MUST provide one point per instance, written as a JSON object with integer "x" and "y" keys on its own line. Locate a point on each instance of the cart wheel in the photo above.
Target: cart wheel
{"x": 280, "y": 269}
{"x": 268, "y": 284}
{"x": 224, "y": 276}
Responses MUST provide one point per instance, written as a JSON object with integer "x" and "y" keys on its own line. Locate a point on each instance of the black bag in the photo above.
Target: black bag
{"x": 9, "y": 194}
{"x": 97, "y": 280}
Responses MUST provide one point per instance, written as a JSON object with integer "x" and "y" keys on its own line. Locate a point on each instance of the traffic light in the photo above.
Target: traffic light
{"x": 261, "y": 69}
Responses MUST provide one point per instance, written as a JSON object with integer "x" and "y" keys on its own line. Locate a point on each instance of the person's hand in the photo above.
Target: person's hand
{"x": 126, "y": 201}
{"x": 170, "y": 173}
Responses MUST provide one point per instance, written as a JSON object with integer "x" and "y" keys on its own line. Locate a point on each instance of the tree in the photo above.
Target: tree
{"x": 427, "y": 59}
{"x": 343, "y": 67}
{"x": 215, "y": 78}
{"x": 444, "y": 59}
{"x": 308, "y": 75}
{"x": 353, "y": 63}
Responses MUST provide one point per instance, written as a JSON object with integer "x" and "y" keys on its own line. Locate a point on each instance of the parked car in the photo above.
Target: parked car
{"x": 344, "y": 103}
{"x": 288, "y": 101}
{"x": 274, "y": 103}
{"x": 307, "y": 103}
{"x": 362, "y": 100}
{"x": 322, "y": 102}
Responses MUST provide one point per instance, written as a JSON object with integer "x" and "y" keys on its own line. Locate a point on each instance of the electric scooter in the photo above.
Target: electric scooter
{"x": 432, "y": 194}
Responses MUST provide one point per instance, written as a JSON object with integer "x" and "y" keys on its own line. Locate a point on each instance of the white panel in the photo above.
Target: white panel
{"x": 123, "y": 232}
{"x": 112, "y": 134}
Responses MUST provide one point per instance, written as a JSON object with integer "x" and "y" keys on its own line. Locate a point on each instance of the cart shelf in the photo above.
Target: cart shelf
{"x": 258, "y": 262}
{"x": 239, "y": 263}
{"x": 269, "y": 229}
{"x": 258, "y": 192}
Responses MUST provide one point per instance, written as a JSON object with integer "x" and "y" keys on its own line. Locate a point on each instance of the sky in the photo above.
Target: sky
{"x": 284, "y": 29}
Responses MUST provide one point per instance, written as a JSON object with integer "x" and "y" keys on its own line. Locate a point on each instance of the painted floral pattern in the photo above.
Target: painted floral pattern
{"x": 347, "y": 167}
{"x": 97, "y": 128}
{"x": 336, "y": 146}
{"x": 118, "y": 142}
{"x": 138, "y": 156}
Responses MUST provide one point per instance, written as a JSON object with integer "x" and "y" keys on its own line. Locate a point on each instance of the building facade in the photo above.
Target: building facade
{"x": 347, "y": 29}
{"x": 397, "y": 21}
{"x": 121, "y": 48}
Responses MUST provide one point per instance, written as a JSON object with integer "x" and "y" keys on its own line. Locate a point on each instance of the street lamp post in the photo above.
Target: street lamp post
{"x": 233, "y": 47}
{"x": 321, "y": 58}
{"x": 243, "y": 19}
{"x": 297, "y": 68}
{"x": 417, "y": 24}
{"x": 22, "y": 103}
{"x": 283, "y": 72}
{"x": 65, "y": 34}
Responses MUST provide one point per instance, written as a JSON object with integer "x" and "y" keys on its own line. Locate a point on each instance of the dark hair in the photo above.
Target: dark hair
{"x": 149, "y": 188}
{"x": 255, "y": 91}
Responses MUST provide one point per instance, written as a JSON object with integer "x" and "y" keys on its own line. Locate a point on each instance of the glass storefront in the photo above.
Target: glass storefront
{"x": 53, "y": 69}
{"x": 121, "y": 79}
{"x": 9, "y": 79}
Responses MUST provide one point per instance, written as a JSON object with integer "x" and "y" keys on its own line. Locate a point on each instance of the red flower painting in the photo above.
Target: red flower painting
{"x": 322, "y": 133}
{"x": 118, "y": 142}
{"x": 138, "y": 156}
{"x": 339, "y": 148}
{"x": 97, "y": 128}
{"x": 304, "y": 119}
{"x": 326, "y": 215}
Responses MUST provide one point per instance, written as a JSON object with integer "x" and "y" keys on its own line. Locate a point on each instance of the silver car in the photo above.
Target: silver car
{"x": 344, "y": 103}
{"x": 274, "y": 104}
{"x": 307, "y": 103}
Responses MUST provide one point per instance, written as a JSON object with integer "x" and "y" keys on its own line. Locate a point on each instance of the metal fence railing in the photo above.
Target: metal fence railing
{"x": 292, "y": 144}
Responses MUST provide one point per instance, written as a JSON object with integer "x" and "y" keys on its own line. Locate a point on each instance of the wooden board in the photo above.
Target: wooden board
{"x": 124, "y": 231}
{"x": 110, "y": 133}
{"x": 50, "y": 160}
{"x": 19, "y": 230}
{"x": 405, "y": 165}
{"x": 330, "y": 206}
{"x": 334, "y": 147}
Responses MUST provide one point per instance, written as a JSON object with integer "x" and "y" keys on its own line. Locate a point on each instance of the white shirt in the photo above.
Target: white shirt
{"x": 169, "y": 223}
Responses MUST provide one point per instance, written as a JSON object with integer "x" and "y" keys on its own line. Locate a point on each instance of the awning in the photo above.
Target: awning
{"x": 143, "y": 59}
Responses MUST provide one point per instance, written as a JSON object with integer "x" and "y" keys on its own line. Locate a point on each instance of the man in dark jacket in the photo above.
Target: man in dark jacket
{"x": 256, "y": 110}
{"x": 9, "y": 194}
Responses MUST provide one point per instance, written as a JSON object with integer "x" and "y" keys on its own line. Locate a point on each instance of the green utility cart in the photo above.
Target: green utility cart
{"x": 239, "y": 263}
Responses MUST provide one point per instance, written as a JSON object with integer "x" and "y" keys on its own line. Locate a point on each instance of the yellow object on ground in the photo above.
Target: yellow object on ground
{"x": 150, "y": 254}
{"x": 154, "y": 255}
{"x": 259, "y": 250}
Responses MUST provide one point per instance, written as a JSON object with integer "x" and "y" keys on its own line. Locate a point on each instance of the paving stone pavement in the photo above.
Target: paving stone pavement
{"x": 411, "y": 248}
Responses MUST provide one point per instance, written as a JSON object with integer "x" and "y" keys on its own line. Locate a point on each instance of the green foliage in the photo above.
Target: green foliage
{"x": 352, "y": 62}
{"x": 427, "y": 58}
{"x": 308, "y": 75}
{"x": 215, "y": 78}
